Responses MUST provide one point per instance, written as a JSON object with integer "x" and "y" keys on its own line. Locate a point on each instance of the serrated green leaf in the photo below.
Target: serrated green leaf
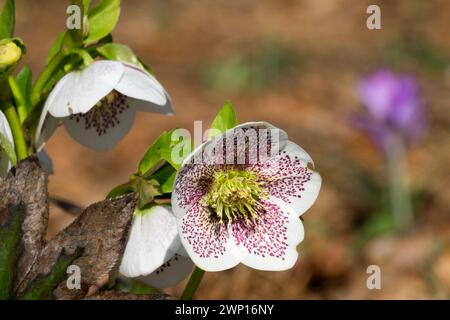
{"x": 7, "y": 19}
{"x": 102, "y": 19}
{"x": 8, "y": 148}
{"x": 119, "y": 52}
{"x": 225, "y": 119}
{"x": 10, "y": 236}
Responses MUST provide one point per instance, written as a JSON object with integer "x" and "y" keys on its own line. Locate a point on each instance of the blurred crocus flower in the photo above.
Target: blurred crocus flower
{"x": 97, "y": 104}
{"x": 394, "y": 106}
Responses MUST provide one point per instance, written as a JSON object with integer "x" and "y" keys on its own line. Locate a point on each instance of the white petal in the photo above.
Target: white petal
{"x": 104, "y": 141}
{"x": 182, "y": 252}
{"x": 290, "y": 179}
{"x": 172, "y": 272}
{"x": 295, "y": 150}
{"x": 144, "y": 106}
{"x": 302, "y": 200}
{"x": 138, "y": 84}
{"x": 5, "y": 130}
{"x": 79, "y": 91}
{"x": 209, "y": 245}
{"x": 45, "y": 129}
{"x": 271, "y": 244}
{"x": 153, "y": 241}
{"x": 244, "y": 144}
{"x": 46, "y": 162}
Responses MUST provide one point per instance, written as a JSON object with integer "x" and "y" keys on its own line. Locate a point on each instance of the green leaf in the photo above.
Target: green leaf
{"x": 10, "y": 236}
{"x": 121, "y": 190}
{"x": 24, "y": 80}
{"x": 102, "y": 19}
{"x": 86, "y": 4}
{"x": 166, "y": 177}
{"x": 7, "y": 20}
{"x": 162, "y": 149}
{"x": 224, "y": 120}
{"x": 119, "y": 52}
{"x": 21, "y": 90}
{"x": 56, "y": 46}
{"x": 6, "y": 146}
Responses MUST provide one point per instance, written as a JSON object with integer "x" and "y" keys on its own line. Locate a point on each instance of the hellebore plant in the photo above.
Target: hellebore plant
{"x": 237, "y": 198}
{"x": 395, "y": 119}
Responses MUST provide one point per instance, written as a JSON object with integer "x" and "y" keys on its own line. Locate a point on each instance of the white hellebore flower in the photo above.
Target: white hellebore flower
{"x": 98, "y": 104}
{"x": 238, "y": 199}
{"x": 5, "y": 131}
{"x": 153, "y": 253}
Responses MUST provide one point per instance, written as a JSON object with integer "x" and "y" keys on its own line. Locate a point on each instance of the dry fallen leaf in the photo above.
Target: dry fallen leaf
{"x": 95, "y": 242}
{"x": 117, "y": 295}
{"x": 27, "y": 184}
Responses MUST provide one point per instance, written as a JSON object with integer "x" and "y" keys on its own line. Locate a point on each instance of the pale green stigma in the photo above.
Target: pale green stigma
{"x": 235, "y": 194}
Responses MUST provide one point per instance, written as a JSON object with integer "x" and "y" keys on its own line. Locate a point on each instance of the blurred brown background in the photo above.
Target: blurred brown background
{"x": 295, "y": 64}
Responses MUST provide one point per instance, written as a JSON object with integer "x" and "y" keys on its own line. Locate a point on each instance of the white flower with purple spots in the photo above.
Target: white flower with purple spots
{"x": 154, "y": 253}
{"x": 98, "y": 104}
{"x": 238, "y": 199}
{"x": 5, "y": 131}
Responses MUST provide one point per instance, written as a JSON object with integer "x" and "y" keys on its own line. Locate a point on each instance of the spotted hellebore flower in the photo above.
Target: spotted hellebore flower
{"x": 154, "y": 253}
{"x": 98, "y": 104}
{"x": 394, "y": 106}
{"x": 238, "y": 199}
{"x": 5, "y": 131}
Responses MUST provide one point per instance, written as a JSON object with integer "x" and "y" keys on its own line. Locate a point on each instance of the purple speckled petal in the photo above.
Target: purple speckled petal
{"x": 208, "y": 244}
{"x": 191, "y": 184}
{"x": 271, "y": 242}
{"x": 289, "y": 179}
{"x": 245, "y": 144}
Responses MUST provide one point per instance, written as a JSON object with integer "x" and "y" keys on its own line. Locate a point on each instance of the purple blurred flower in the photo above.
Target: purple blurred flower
{"x": 394, "y": 106}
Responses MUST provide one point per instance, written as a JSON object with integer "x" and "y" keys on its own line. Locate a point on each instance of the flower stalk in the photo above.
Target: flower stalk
{"x": 398, "y": 190}
{"x": 17, "y": 131}
{"x": 45, "y": 77}
{"x": 193, "y": 284}
{"x": 20, "y": 99}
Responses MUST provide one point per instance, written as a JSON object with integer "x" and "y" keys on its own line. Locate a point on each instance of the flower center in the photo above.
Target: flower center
{"x": 105, "y": 114}
{"x": 235, "y": 194}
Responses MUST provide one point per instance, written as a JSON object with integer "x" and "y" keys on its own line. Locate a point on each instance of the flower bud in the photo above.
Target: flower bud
{"x": 10, "y": 55}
